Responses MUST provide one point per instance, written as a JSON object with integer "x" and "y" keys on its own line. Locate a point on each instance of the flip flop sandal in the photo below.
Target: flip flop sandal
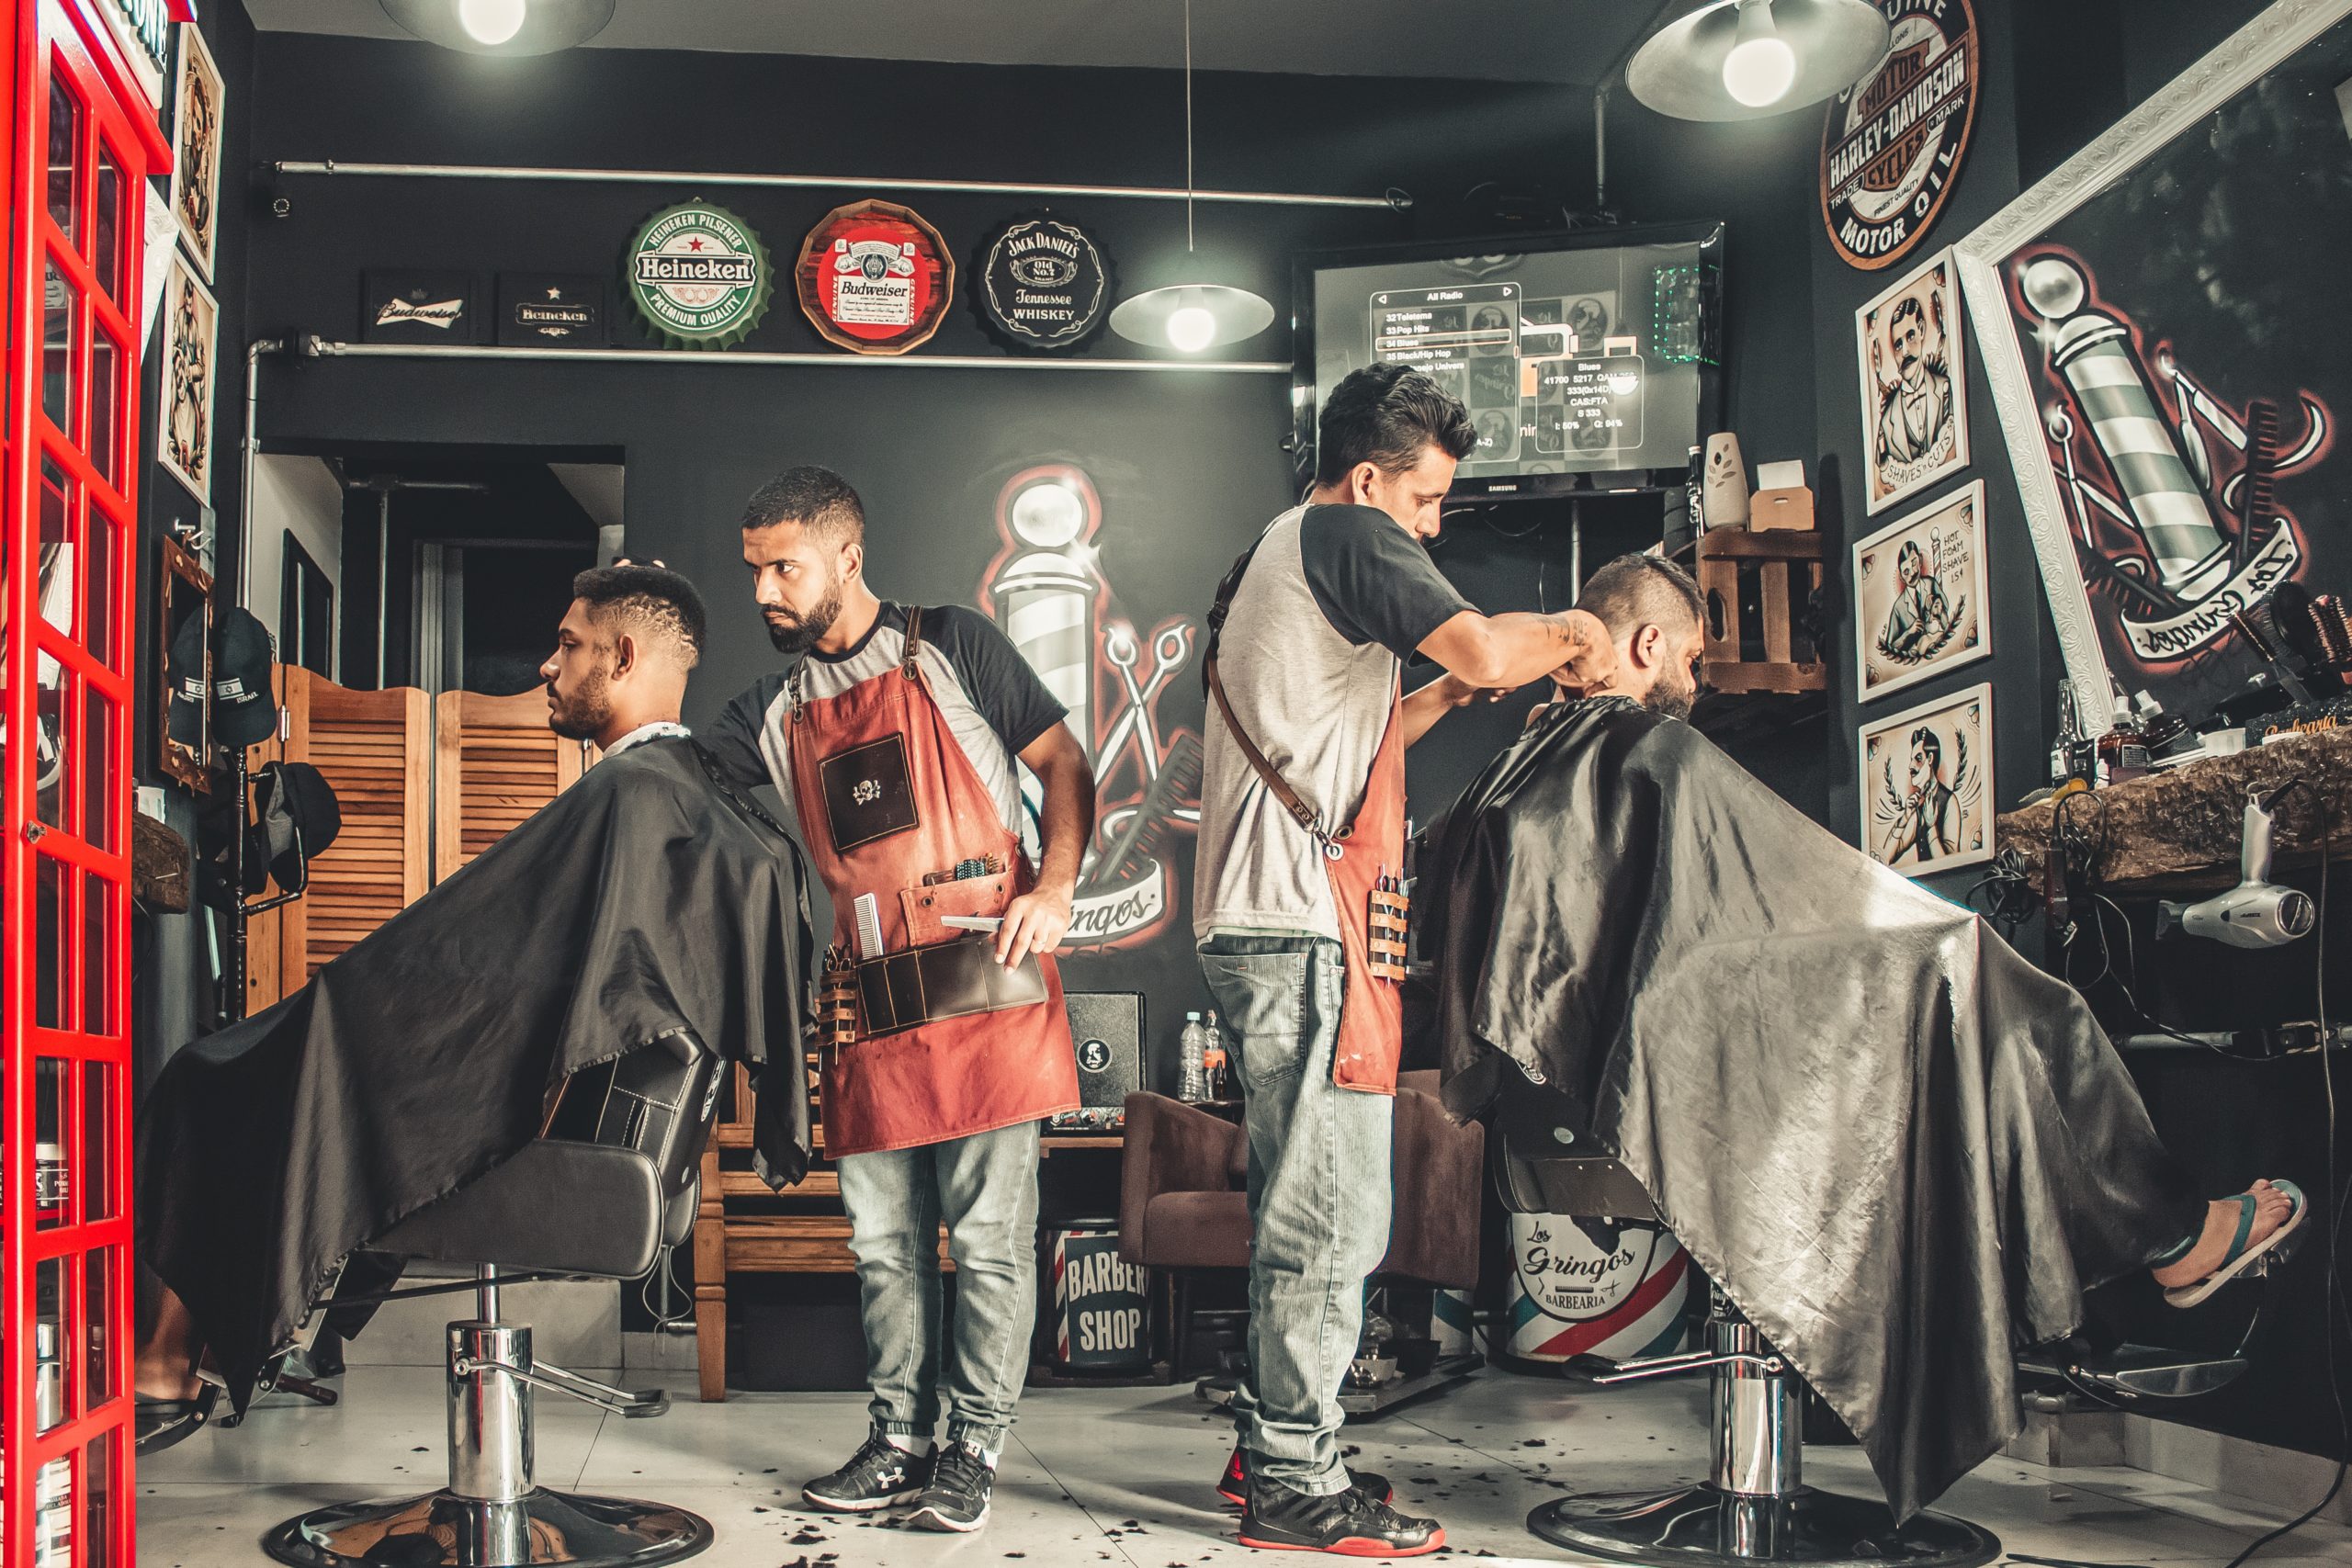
{"x": 164, "y": 1422}
{"x": 2241, "y": 1256}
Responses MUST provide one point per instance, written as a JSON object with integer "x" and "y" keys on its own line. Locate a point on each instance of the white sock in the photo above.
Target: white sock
{"x": 990, "y": 1456}
{"x": 906, "y": 1442}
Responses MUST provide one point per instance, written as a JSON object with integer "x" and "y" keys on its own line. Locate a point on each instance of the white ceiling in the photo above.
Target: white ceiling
{"x": 1513, "y": 40}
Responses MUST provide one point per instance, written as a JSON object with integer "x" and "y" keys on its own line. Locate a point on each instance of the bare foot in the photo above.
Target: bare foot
{"x": 2271, "y": 1208}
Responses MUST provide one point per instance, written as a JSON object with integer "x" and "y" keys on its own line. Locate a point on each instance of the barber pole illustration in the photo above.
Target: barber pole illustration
{"x": 1595, "y": 1287}
{"x": 2139, "y": 448}
{"x": 1099, "y": 1303}
{"x": 1047, "y": 591}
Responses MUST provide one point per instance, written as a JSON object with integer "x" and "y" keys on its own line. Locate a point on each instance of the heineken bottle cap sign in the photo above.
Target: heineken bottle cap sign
{"x": 699, "y": 275}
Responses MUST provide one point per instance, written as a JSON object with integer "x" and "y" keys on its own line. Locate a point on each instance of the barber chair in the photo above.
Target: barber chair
{"x": 1754, "y": 1506}
{"x": 1184, "y": 1207}
{"x": 559, "y": 1207}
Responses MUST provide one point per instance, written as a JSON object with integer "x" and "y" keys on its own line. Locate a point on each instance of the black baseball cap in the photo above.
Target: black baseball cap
{"x": 186, "y": 670}
{"x": 244, "y": 711}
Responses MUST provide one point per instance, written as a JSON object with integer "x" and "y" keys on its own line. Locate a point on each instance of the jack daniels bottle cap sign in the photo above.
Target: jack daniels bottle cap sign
{"x": 1042, "y": 282}
{"x": 873, "y": 278}
{"x": 698, "y": 275}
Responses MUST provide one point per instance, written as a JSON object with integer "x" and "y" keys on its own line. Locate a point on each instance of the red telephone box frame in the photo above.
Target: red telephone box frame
{"x": 73, "y": 463}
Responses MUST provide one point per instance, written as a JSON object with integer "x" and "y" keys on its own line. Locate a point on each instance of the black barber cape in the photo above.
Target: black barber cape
{"x": 1898, "y": 1148}
{"x": 645, "y": 900}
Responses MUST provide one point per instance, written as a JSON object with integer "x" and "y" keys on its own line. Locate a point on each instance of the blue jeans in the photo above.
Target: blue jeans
{"x": 985, "y": 1188}
{"x": 1319, "y": 1198}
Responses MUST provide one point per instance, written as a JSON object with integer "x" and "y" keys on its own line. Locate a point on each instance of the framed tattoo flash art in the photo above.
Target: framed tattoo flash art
{"x": 1915, "y": 384}
{"x": 191, "y": 326}
{"x": 196, "y": 140}
{"x": 1920, "y": 595}
{"x": 2162, "y": 324}
{"x": 1926, "y": 778}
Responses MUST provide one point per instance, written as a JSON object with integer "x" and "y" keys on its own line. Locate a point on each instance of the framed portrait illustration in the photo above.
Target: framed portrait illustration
{"x": 1927, "y": 777}
{"x": 1913, "y": 384}
{"x": 184, "y": 436}
{"x": 2172, "y": 391}
{"x": 195, "y": 140}
{"x": 1920, "y": 595}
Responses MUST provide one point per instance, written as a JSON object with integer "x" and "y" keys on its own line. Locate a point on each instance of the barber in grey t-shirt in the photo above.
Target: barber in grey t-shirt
{"x": 1336, "y": 595}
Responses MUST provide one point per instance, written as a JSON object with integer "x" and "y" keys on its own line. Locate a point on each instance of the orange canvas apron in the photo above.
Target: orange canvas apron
{"x": 950, "y": 1077}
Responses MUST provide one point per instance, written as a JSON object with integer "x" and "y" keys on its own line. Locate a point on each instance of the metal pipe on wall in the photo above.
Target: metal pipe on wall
{"x": 319, "y": 348}
{"x": 251, "y": 445}
{"x": 1393, "y": 200}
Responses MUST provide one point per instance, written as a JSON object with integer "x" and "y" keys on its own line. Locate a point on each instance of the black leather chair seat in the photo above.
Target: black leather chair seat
{"x": 557, "y": 1207}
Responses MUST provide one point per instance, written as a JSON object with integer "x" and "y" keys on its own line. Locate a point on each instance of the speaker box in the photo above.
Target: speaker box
{"x": 1106, "y": 1028}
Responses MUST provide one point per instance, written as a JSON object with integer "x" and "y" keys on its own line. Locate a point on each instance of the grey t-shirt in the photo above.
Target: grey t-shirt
{"x": 994, "y": 703}
{"x": 1333, "y": 602}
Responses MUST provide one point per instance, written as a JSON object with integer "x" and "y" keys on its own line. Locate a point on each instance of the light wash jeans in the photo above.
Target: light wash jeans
{"x": 1319, "y": 1198}
{"x": 985, "y": 1187}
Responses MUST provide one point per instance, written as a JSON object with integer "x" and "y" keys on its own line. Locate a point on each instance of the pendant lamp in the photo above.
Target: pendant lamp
{"x": 1749, "y": 59}
{"x": 501, "y": 27}
{"x": 1190, "y": 317}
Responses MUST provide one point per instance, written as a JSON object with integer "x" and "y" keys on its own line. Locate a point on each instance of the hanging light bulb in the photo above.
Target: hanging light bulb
{"x": 1761, "y": 67}
{"x": 1190, "y": 317}
{"x": 491, "y": 22}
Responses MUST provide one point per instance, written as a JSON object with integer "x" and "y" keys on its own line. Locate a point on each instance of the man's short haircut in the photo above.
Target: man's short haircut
{"x": 653, "y": 602}
{"x": 1637, "y": 591}
{"x": 818, "y": 499}
{"x": 1386, "y": 415}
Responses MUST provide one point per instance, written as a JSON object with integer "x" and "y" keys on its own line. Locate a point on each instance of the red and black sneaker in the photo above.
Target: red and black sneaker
{"x": 1347, "y": 1524}
{"x": 1234, "y": 1486}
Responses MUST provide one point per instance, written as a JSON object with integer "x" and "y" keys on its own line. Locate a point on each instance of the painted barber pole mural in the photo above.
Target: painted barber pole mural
{"x": 1048, "y": 590}
{"x": 1594, "y": 1287}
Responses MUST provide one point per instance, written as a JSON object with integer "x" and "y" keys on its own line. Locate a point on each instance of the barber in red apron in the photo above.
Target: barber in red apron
{"x": 1298, "y": 909}
{"x": 943, "y": 1041}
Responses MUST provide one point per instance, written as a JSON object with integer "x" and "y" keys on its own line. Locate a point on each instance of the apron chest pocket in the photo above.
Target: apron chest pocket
{"x": 867, "y": 792}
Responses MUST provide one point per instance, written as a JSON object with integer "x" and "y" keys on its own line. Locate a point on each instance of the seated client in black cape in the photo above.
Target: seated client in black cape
{"x": 1899, "y": 1148}
{"x": 647, "y": 900}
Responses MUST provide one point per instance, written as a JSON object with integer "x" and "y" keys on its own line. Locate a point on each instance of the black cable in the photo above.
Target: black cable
{"x": 2332, "y": 1285}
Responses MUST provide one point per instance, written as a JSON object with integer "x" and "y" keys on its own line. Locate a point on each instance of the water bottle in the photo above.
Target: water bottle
{"x": 1193, "y": 1084}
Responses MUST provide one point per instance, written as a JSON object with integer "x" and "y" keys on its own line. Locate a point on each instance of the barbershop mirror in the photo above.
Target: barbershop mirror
{"x": 185, "y": 591}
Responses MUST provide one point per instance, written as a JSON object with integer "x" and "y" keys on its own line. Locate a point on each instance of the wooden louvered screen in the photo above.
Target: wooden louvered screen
{"x": 373, "y": 748}
{"x": 495, "y": 763}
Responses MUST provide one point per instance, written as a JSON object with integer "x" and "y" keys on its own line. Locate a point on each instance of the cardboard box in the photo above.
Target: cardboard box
{"x": 1788, "y": 508}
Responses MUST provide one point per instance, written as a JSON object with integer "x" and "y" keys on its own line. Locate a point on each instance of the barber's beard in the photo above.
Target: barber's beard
{"x": 798, "y": 634}
{"x": 584, "y": 715}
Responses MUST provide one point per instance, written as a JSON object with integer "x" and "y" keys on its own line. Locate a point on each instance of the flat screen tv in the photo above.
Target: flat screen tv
{"x": 1588, "y": 358}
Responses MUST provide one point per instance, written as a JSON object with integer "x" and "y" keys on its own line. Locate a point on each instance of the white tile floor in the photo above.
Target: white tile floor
{"x": 1116, "y": 1476}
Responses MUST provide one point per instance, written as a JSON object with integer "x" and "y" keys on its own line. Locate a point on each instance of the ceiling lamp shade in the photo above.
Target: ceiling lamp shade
{"x": 501, "y": 27}
{"x": 1749, "y": 59}
{"x": 1191, "y": 317}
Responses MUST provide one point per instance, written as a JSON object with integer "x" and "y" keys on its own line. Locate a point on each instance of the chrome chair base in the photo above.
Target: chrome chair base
{"x": 1702, "y": 1526}
{"x": 442, "y": 1530}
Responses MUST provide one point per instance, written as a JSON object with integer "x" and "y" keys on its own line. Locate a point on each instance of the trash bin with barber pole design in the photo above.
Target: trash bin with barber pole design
{"x": 1101, "y": 1324}
{"x": 1595, "y": 1287}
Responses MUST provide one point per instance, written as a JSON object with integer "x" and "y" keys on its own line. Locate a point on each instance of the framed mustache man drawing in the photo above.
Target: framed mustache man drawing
{"x": 1913, "y": 385}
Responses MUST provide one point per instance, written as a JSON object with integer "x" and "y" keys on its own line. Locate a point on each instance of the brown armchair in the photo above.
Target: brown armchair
{"x": 1182, "y": 1206}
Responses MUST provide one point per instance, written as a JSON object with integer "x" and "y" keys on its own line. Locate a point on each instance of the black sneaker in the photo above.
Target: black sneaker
{"x": 958, "y": 1498}
{"x": 879, "y": 1474}
{"x": 1350, "y": 1524}
{"x": 1234, "y": 1486}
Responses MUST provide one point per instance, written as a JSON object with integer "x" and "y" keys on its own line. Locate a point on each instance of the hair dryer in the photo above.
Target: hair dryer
{"x": 2256, "y": 912}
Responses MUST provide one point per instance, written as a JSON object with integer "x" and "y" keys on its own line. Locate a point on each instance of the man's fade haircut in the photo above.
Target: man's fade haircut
{"x": 1384, "y": 415}
{"x": 1636, "y": 590}
{"x": 820, "y": 499}
{"x": 657, "y": 603}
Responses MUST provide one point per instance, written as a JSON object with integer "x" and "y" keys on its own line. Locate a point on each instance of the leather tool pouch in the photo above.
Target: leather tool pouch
{"x": 952, "y": 980}
{"x": 1385, "y": 934}
{"x": 867, "y": 793}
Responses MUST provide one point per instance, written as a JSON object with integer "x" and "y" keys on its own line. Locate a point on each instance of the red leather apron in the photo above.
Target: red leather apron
{"x": 1372, "y": 1010}
{"x": 951, "y": 1077}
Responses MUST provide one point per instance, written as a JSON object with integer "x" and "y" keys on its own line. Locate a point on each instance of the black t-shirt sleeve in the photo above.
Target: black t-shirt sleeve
{"x": 734, "y": 739}
{"x": 1372, "y": 581}
{"x": 999, "y": 682}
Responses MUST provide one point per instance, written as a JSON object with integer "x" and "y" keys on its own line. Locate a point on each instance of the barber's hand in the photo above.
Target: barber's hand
{"x": 1592, "y": 658}
{"x": 1455, "y": 691}
{"x": 1034, "y": 923}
